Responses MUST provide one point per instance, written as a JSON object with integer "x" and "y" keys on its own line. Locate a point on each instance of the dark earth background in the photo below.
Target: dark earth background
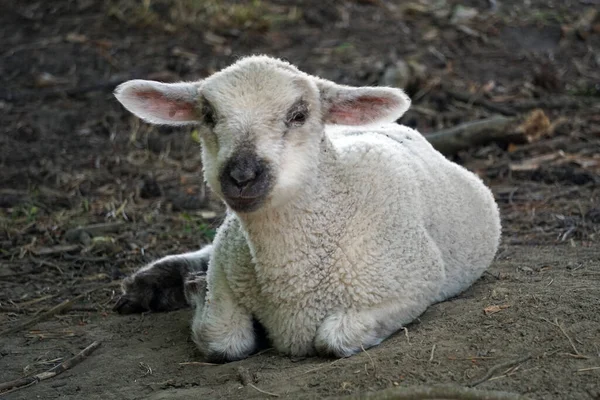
{"x": 72, "y": 158}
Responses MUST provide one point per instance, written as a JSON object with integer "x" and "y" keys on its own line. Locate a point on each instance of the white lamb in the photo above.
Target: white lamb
{"x": 336, "y": 237}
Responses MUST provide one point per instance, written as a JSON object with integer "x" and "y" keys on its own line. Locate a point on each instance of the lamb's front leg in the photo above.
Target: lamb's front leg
{"x": 344, "y": 333}
{"x": 158, "y": 286}
{"x": 221, "y": 328}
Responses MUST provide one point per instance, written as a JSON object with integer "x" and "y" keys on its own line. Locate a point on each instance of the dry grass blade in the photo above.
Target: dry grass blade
{"x": 498, "y": 367}
{"x": 11, "y": 386}
{"x": 567, "y": 336}
{"x": 200, "y": 363}
{"x": 263, "y": 391}
{"x": 588, "y": 369}
{"x": 62, "y": 307}
{"x": 562, "y": 330}
{"x": 432, "y": 353}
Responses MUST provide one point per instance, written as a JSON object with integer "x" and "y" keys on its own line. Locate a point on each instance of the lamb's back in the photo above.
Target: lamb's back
{"x": 418, "y": 190}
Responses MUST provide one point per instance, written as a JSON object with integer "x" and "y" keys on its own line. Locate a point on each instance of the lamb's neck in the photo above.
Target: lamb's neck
{"x": 279, "y": 232}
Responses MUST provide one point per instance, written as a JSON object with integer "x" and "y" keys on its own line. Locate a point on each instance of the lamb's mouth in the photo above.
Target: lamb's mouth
{"x": 244, "y": 204}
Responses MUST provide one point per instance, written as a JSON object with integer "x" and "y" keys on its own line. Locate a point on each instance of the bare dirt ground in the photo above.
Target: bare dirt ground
{"x": 71, "y": 157}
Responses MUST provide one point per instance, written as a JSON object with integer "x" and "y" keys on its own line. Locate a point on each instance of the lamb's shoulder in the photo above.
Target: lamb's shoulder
{"x": 393, "y": 147}
{"x": 401, "y": 159}
{"x": 383, "y": 167}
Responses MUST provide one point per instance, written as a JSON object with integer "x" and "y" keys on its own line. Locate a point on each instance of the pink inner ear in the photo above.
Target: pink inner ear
{"x": 168, "y": 109}
{"x": 360, "y": 110}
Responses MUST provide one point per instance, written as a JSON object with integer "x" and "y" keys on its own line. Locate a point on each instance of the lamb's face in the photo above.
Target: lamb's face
{"x": 261, "y": 134}
{"x": 261, "y": 122}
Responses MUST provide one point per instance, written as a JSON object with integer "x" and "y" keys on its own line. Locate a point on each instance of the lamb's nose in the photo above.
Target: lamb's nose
{"x": 243, "y": 175}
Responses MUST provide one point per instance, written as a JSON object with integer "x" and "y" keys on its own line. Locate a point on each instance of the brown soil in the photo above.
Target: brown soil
{"x": 71, "y": 156}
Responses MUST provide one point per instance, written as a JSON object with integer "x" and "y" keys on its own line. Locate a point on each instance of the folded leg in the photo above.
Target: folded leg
{"x": 159, "y": 286}
{"x": 221, "y": 328}
{"x": 348, "y": 332}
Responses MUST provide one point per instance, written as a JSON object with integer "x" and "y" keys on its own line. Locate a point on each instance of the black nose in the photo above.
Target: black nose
{"x": 243, "y": 174}
{"x": 243, "y": 171}
{"x": 245, "y": 181}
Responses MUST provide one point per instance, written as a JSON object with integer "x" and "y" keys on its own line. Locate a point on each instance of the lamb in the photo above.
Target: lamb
{"x": 342, "y": 226}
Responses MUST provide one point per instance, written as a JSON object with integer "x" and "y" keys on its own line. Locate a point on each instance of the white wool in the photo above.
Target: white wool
{"x": 366, "y": 226}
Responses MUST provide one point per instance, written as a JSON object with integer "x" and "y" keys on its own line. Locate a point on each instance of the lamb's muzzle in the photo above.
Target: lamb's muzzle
{"x": 337, "y": 236}
{"x": 245, "y": 181}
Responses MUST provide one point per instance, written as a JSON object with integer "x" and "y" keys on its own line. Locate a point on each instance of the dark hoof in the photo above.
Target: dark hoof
{"x": 156, "y": 288}
{"x": 124, "y": 305}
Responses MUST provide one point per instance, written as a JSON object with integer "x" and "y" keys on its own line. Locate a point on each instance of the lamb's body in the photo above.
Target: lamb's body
{"x": 400, "y": 246}
{"x": 336, "y": 237}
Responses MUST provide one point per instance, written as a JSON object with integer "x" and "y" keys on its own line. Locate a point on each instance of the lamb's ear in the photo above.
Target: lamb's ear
{"x": 346, "y": 105}
{"x": 160, "y": 103}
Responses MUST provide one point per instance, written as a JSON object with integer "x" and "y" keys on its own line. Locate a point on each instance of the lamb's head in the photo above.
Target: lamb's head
{"x": 261, "y": 123}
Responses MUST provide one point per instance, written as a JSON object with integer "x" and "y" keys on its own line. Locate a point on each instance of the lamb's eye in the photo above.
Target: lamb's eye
{"x": 297, "y": 115}
{"x": 208, "y": 115}
{"x": 298, "y": 118}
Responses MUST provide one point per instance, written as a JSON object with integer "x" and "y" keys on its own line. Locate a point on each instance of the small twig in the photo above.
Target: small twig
{"x": 16, "y": 310}
{"x": 406, "y": 334}
{"x": 62, "y": 307}
{"x": 41, "y": 317}
{"x": 84, "y": 259}
{"x": 562, "y": 330}
{"x": 263, "y": 391}
{"x": 567, "y": 336}
{"x": 20, "y": 310}
{"x": 51, "y": 373}
{"x": 370, "y": 358}
{"x": 246, "y": 380}
{"x": 35, "y": 301}
{"x": 436, "y": 392}
{"x": 47, "y": 263}
{"x": 321, "y": 366}
{"x": 432, "y": 353}
{"x": 508, "y": 372}
{"x": 576, "y": 356}
{"x": 58, "y": 249}
{"x": 588, "y": 369}
{"x": 17, "y": 388}
{"x": 498, "y": 367}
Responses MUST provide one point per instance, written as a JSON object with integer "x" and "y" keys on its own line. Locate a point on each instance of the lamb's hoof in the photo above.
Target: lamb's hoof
{"x": 158, "y": 287}
{"x": 194, "y": 289}
{"x": 334, "y": 350}
{"x": 127, "y": 305}
{"x": 342, "y": 336}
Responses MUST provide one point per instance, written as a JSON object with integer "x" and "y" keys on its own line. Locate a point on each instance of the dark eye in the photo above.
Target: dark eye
{"x": 208, "y": 115}
{"x": 298, "y": 118}
{"x": 297, "y": 115}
